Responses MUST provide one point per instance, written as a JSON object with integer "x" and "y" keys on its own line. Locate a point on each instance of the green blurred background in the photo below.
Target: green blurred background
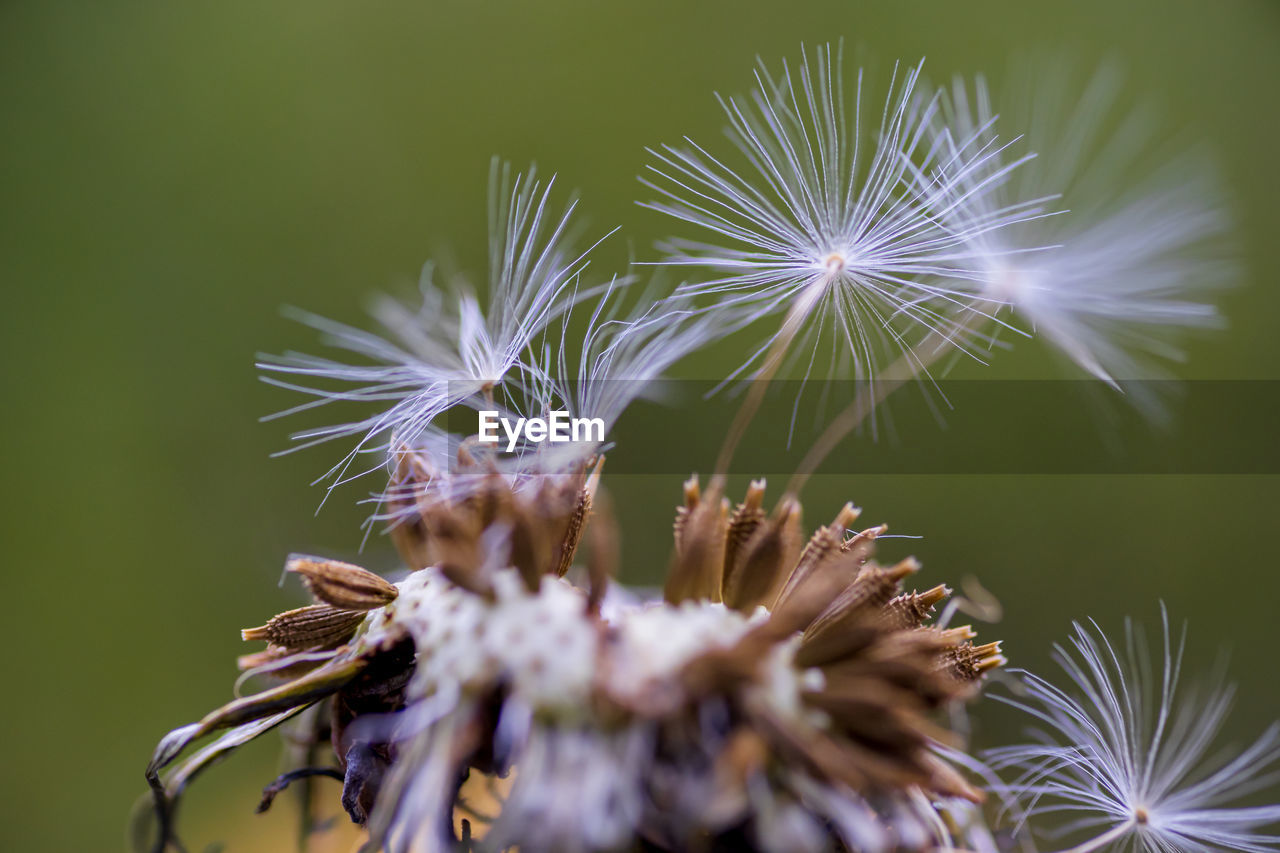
{"x": 174, "y": 173}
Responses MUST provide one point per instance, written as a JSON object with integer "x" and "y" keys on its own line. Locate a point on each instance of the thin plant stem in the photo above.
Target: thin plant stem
{"x": 772, "y": 361}
{"x": 1113, "y": 834}
{"x": 908, "y": 366}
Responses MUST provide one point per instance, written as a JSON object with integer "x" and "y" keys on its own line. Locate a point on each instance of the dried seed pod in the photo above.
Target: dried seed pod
{"x": 573, "y": 532}
{"x": 910, "y": 660}
{"x": 832, "y": 695}
{"x": 863, "y": 544}
{"x": 455, "y": 540}
{"x": 580, "y": 497}
{"x": 408, "y": 531}
{"x": 692, "y": 496}
{"x": 911, "y": 609}
{"x": 602, "y": 560}
{"x": 764, "y": 562}
{"x": 341, "y": 584}
{"x": 701, "y": 530}
{"x": 855, "y": 616}
{"x": 528, "y": 545}
{"x": 747, "y": 517}
{"x": 967, "y": 662}
{"x": 819, "y": 553}
{"x": 315, "y": 627}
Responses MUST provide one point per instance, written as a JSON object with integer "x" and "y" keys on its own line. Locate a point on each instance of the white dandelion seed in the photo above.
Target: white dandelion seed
{"x": 826, "y": 222}
{"x": 1131, "y": 756}
{"x": 623, "y": 354}
{"x": 1126, "y": 266}
{"x": 451, "y": 350}
{"x": 622, "y": 357}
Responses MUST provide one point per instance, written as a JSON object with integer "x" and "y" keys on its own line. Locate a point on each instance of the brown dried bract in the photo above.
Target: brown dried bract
{"x": 882, "y": 673}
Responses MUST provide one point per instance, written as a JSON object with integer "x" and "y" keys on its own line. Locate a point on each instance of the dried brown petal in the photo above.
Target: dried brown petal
{"x": 954, "y": 636}
{"x": 412, "y": 542}
{"x": 723, "y": 669}
{"x": 527, "y": 542}
{"x": 300, "y": 692}
{"x": 843, "y": 760}
{"x": 742, "y": 759}
{"x": 943, "y": 779}
{"x": 455, "y": 540}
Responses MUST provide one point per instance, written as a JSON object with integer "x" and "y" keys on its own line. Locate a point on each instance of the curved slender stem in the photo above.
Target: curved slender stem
{"x": 1114, "y": 834}
{"x": 908, "y": 366}
{"x": 772, "y": 361}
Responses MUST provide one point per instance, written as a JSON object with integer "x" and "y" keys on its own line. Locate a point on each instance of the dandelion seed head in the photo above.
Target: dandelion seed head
{"x": 820, "y": 215}
{"x": 1126, "y": 750}
{"x": 1015, "y": 284}
{"x": 835, "y": 263}
{"x": 1123, "y": 243}
{"x": 452, "y": 350}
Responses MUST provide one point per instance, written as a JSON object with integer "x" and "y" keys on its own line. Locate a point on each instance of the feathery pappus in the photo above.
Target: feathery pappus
{"x": 1129, "y": 752}
{"x": 450, "y": 351}
{"x": 823, "y": 222}
{"x": 1136, "y": 243}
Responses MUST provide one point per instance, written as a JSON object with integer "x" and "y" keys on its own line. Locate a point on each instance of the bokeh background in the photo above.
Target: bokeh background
{"x": 172, "y": 174}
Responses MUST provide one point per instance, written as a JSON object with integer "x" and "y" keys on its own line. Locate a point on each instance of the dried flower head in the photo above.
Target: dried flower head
{"x": 780, "y": 696}
{"x": 1130, "y": 754}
